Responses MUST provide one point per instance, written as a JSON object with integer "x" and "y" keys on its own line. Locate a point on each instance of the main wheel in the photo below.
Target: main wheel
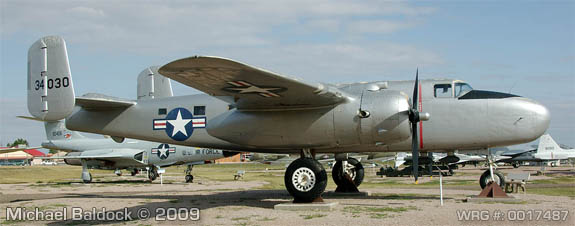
{"x": 353, "y": 168}
{"x": 134, "y": 172}
{"x": 189, "y": 178}
{"x": 515, "y": 165}
{"x": 486, "y": 176}
{"x": 305, "y": 179}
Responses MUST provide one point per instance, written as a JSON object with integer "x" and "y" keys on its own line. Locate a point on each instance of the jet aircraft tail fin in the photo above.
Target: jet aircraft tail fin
{"x": 547, "y": 144}
{"x": 50, "y": 89}
{"x": 56, "y": 130}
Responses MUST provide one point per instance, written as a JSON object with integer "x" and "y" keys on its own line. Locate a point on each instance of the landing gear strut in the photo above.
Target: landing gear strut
{"x": 305, "y": 178}
{"x": 86, "y": 176}
{"x": 189, "y": 176}
{"x": 347, "y": 175}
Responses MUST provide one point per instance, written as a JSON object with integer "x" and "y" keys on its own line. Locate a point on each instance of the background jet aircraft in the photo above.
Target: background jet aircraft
{"x": 256, "y": 110}
{"x": 547, "y": 151}
{"x": 131, "y": 154}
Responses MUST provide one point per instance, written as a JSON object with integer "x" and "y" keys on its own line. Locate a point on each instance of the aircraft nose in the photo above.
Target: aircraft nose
{"x": 541, "y": 118}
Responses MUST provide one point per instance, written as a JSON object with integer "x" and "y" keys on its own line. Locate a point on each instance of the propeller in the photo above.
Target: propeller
{"x": 415, "y": 117}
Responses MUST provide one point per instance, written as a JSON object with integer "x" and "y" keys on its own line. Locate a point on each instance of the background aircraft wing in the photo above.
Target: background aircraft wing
{"x": 103, "y": 157}
{"x": 248, "y": 87}
{"x": 8, "y": 150}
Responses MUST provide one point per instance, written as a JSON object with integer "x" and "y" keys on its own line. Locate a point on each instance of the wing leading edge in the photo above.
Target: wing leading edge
{"x": 250, "y": 88}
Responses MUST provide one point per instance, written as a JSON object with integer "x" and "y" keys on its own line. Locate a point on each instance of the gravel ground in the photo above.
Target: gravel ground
{"x": 237, "y": 203}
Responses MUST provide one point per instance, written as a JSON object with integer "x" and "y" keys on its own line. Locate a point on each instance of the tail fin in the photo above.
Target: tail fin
{"x": 152, "y": 84}
{"x": 547, "y": 144}
{"x": 50, "y": 89}
{"x": 56, "y": 130}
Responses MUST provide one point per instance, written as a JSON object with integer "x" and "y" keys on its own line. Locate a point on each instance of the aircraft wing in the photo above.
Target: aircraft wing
{"x": 8, "y": 150}
{"x": 105, "y": 157}
{"x": 248, "y": 87}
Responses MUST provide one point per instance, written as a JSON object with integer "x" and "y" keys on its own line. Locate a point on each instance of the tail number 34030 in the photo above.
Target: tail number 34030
{"x": 52, "y": 83}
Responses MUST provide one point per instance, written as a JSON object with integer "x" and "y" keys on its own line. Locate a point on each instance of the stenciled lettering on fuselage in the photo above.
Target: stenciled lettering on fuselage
{"x": 244, "y": 87}
{"x": 179, "y": 124}
{"x": 163, "y": 151}
{"x": 208, "y": 151}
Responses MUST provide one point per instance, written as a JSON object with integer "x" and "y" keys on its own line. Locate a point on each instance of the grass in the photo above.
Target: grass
{"x": 555, "y": 180}
{"x": 376, "y": 212}
{"x": 312, "y": 216}
{"x": 406, "y": 196}
{"x": 568, "y": 191}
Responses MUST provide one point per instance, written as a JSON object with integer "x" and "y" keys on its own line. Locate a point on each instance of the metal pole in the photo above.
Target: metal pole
{"x": 441, "y": 187}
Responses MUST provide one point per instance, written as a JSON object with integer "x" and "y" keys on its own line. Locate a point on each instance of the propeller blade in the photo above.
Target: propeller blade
{"x": 414, "y": 151}
{"x": 415, "y": 91}
{"x": 414, "y": 120}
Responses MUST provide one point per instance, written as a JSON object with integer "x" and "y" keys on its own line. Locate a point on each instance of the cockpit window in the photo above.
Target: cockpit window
{"x": 461, "y": 89}
{"x": 442, "y": 90}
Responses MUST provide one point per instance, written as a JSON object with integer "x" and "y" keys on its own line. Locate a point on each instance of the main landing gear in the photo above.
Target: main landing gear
{"x": 189, "y": 176}
{"x": 347, "y": 175}
{"x": 305, "y": 178}
{"x": 152, "y": 173}
{"x": 86, "y": 176}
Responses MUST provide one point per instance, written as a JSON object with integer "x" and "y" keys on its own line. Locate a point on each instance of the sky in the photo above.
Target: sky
{"x": 523, "y": 47}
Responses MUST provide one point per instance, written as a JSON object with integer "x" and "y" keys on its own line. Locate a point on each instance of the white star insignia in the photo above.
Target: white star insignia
{"x": 179, "y": 124}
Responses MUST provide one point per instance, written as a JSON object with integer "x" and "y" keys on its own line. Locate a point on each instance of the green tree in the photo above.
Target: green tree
{"x": 18, "y": 142}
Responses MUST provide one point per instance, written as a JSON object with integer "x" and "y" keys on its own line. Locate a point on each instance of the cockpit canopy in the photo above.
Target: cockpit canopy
{"x": 464, "y": 91}
{"x": 446, "y": 90}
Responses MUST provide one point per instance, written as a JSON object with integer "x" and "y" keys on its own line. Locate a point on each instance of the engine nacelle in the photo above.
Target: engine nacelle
{"x": 387, "y": 120}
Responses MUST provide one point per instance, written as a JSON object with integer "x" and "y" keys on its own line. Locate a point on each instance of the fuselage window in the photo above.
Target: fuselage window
{"x": 461, "y": 89}
{"x": 162, "y": 111}
{"x": 442, "y": 90}
{"x": 199, "y": 110}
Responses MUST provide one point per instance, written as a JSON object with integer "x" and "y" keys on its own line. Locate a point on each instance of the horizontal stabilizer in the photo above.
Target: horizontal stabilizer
{"x": 100, "y": 102}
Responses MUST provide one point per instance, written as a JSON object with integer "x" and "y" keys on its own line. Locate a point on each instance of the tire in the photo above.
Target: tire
{"x": 483, "y": 180}
{"x": 189, "y": 178}
{"x": 305, "y": 169}
{"x": 152, "y": 175}
{"x": 89, "y": 180}
{"x": 357, "y": 175}
{"x": 515, "y": 165}
{"x": 133, "y": 173}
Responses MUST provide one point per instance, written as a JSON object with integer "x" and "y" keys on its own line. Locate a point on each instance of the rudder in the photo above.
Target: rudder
{"x": 50, "y": 89}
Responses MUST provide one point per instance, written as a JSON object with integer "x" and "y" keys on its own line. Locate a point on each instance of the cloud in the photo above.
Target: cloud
{"x": 167, "y": 26}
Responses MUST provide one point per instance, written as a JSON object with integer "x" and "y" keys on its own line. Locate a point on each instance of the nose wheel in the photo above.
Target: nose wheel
{"x": 497, "y": 178}
{"x": 305, "y": 179}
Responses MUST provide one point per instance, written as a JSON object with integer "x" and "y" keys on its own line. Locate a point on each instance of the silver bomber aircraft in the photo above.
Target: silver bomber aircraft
{"x": 245, "y": 108}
